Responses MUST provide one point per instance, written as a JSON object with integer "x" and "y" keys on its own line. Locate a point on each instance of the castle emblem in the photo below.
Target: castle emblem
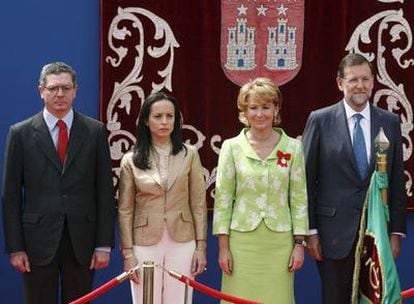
{"x": 261, "y": 38}
{"x": 281, "y": 47}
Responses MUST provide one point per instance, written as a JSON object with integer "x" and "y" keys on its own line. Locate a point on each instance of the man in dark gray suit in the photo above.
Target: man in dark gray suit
{"x": 338, "y": 178}
{"x": 58, "y": 200}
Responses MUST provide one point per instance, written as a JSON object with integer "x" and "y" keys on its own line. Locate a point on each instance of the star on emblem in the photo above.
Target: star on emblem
{"x": 261, "y": 10}
{"x": 242, "y": 10}
{"x": 282, "y": 10}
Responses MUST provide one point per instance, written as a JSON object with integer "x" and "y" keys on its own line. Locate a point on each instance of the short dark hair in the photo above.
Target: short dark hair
{"x": 56, "y": 68}
{"x": 352, "y": 59}
{"x": 143, "y": 144}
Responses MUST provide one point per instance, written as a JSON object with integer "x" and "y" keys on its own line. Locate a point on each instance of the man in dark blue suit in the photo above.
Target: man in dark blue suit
{"x": 58, "y": 200}
{"x": 340, "y": 158}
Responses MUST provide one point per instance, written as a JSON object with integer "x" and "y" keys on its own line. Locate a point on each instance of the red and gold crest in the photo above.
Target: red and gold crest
{"x": 261, "y": 38}
{"x": 371, "y": 280}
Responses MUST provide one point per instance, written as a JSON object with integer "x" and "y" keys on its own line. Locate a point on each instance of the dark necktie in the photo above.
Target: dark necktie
{"x": 360, "y": 150}
{"x": 62, "y": 143}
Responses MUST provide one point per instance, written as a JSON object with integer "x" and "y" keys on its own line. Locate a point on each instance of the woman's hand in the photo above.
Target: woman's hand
{"x": 226, "y": 261}
{"x": 130, "y": 261}
{"x": 199, "y": 261}
{"x": 297, "y": 258}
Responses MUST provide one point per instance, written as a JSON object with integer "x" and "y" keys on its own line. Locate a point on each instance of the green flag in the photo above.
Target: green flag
{"x": 375, "y": 276}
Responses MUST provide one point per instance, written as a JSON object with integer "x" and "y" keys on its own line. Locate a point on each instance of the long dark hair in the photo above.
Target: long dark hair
{"x": 143, "y": 144}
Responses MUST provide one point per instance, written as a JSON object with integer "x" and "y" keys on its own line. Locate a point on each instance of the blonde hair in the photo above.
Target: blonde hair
{"x": 262, "y": 89}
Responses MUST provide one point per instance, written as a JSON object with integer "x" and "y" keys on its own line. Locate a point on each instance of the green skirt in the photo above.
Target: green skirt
{"x": 260, "y": 266}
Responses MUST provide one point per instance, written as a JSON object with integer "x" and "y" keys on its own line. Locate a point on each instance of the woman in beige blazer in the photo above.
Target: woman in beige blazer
{"x": 162, "y": 206}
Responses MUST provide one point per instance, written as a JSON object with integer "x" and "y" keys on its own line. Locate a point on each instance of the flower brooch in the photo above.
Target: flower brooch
{"x": 282, "y": 158}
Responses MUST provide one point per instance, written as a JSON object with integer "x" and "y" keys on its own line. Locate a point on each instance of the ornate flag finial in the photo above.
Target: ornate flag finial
{"x": 381, "y": 142}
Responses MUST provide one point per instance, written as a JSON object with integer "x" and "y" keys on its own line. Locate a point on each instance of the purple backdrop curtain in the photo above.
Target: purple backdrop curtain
{"x": 148, "y": 45}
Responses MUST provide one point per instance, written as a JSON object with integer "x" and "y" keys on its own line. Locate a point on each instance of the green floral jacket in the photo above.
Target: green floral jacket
{"x": 249, "y": 190}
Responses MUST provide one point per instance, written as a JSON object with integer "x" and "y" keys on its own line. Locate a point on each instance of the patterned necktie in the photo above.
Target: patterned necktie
{"x": 62, "y": 143}
{"x": 360, "y": 150}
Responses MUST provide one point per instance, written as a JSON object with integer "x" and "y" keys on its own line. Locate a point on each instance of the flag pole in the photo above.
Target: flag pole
{"x": 381, "y": 146}
{"x": 363, "y": 246}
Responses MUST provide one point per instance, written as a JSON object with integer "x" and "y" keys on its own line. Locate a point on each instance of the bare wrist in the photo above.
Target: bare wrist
{"x": 201, "y": 245}
{"x": 127, "y": 252}
{"x": 128, "y": 256}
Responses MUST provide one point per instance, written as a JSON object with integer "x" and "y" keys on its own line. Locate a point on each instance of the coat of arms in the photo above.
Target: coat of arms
{"x": 261, "y": 38}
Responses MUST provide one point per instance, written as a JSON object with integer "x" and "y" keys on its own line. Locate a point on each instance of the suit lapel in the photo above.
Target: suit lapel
{"x": 43, "y": 140}
{"x": 342, "y": 132}
{"x": 175, "y": 166}
{"x": 78, "y": 135}
{"x": 154, "y": 172}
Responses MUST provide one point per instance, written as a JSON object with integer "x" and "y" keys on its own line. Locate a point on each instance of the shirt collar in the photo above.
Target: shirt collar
{"x": 366, "y": 112}
{"x": 52, "y": 120}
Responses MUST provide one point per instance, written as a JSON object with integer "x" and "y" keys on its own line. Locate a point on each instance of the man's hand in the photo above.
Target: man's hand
{"x": 314, "y": 248}
{"x": 100, "y": 259}
{"x": 395, "y": 242}
{"x": 20, "y": 261}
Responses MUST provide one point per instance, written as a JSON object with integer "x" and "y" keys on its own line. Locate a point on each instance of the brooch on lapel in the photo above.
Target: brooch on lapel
{"x": 282, "y": 158}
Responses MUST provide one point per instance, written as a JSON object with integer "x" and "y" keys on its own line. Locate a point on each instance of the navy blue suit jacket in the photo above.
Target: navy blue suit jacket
{"x": 335, "y": 191}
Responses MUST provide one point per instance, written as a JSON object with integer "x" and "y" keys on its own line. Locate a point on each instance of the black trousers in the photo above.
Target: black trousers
{"x": 43, "y": 283}
{"x": 336, "y": 278}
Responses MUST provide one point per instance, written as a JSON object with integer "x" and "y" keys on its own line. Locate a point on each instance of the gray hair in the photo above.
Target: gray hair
{"x": 56, "y": 68}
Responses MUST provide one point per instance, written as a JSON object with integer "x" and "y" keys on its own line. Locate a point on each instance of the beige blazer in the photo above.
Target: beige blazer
{"x": 145, "y": 209}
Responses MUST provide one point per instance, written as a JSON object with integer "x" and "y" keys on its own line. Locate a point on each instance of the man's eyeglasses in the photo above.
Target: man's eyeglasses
{"x": 55, "y": 89}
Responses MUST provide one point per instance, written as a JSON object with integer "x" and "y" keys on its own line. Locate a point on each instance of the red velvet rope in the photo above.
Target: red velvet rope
{"x": 196, "y": 285}
{"x": 212, "y": 292}
{"x": 407, "y": 293}
{"x": 97, "y": 292}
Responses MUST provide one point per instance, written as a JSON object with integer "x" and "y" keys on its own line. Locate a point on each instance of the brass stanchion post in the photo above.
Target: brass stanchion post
{"x": 148, "y": 284}
{"x": 186, "y": 293}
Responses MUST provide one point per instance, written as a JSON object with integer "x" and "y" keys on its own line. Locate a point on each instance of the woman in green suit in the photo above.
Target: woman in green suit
{"x": 260, "y": 211}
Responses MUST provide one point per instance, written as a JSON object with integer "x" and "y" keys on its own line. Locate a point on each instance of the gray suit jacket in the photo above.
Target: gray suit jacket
{"x": 336, "y": 193}
{"x": 39, "y": 193}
